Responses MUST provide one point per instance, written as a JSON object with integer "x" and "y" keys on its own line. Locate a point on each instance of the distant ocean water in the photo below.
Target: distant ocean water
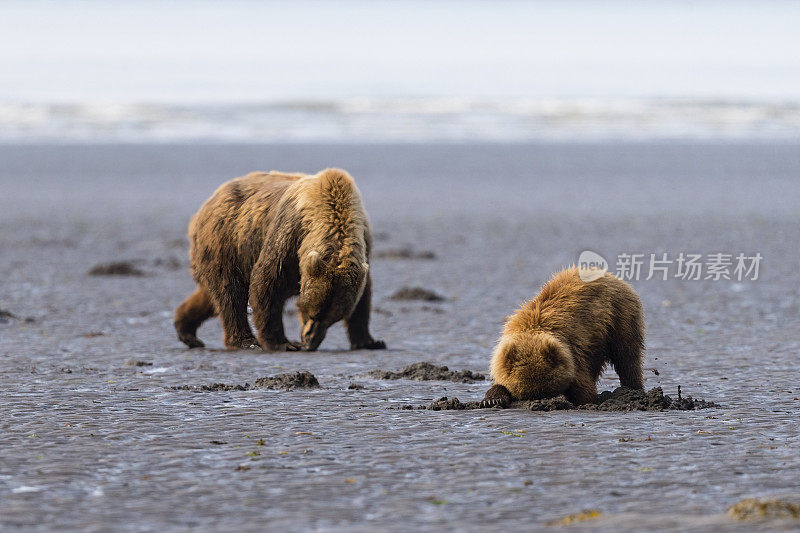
{"x": 360, "y": 120}
{"x": 411, "y": 71}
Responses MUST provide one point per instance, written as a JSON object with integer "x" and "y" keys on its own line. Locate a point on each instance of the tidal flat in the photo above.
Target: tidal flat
{"x": 101, "y": 427}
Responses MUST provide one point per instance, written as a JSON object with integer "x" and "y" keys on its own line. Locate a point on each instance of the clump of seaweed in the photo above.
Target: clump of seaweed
{"x": 759, "y": 509}
{"x": 583, "y": 516}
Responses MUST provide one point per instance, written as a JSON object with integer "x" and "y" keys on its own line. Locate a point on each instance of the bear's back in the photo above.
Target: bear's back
{"x": 237, "y": 215}
{"x": 250, "y": 196}
{"x": 567, "y": 304}
{"x": 259, "y": 190}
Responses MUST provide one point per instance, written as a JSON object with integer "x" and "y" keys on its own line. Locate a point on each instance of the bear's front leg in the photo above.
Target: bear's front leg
{"x": 269, "y": 323}
{"x": 358, "y": 323}
{"x": 268, "y": 295}
{"x": 232, "y": 306}
{"x": 497, "y": 396}
{"x": 582, "y": 391}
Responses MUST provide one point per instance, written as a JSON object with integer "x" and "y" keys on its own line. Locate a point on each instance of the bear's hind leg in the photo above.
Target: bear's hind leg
{"x": 627, "y": 363}
{"x": 268, "y": 296}
{"x": 625, "y": 353}
{"x": 583, "y": 390}
{"x": 195, "y": 310}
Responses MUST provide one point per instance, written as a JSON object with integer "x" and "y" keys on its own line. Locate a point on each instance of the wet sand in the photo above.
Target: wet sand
{"x": 96, "y": 432}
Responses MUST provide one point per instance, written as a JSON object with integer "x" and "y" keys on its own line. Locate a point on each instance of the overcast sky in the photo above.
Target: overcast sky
{"x": 239, "y": 50}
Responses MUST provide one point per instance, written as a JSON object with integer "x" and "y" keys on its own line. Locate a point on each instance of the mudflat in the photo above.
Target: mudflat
{"x": 105, "y": 423}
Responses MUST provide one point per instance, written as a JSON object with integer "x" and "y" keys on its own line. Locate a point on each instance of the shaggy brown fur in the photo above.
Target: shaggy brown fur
{"x": 561, "y": 341}
{"x": 268, "y": 236}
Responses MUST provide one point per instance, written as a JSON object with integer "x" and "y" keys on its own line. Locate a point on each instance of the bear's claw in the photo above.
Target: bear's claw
{"x": 369, "y": 345}
{"x": 249, "y": 343}
{"x": 192, "y": 342}
{"x": 287, "y": 346}
{"x": 497, "y": 396}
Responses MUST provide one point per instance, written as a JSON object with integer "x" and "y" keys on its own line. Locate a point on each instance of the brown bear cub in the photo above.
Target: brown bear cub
{"x": 560, "y": 342}
{"x": 268, "y": 236}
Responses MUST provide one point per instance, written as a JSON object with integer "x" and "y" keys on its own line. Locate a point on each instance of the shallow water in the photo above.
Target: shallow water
{"x": 91, "y": 442}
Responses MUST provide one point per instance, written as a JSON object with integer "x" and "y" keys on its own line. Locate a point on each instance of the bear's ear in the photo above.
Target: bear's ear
{"x": 316, "y": 266}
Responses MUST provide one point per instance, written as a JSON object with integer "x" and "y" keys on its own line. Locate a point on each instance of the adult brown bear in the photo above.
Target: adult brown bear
{"x": 560, "y": 342}
{"x": 267, "y": 236}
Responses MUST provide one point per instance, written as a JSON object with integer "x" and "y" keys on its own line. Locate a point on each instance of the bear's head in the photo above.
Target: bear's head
{"x": 329, "y": 291}
{"x": 532, "y": 366}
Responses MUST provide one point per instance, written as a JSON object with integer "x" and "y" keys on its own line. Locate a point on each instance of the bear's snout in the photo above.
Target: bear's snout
{"x": 313, "y": 335}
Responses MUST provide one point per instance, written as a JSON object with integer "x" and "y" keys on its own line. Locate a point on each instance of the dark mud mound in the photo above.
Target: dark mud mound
{"x": 625, "y": 399}
{"x": 170, "y": 263}
{"x": 6, "y": 316}
{"x": 137, "y": 362}
{"x": 403, "y": 253}
{"x": 621, "y": 399}
{"x": 559, "y": 403}
{"x": 449, "y": 404}
{"x": 296, "y": 380}
{"x": 118, "y": 268}
{"x": 454, "y": 404}
{"x": 425, "y": 371}
{"x": 416, "y": 293}
{"x": 214, "y": 387}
